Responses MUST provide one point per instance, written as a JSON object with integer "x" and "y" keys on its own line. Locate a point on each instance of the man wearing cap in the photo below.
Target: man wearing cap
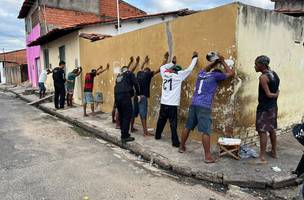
{"x": 267, "y": 110}
{"x": 126, "y": 82}
{"x": 202, "y": 100}
{"x": 88, "y": 88}
{"x": 173, "y": 77}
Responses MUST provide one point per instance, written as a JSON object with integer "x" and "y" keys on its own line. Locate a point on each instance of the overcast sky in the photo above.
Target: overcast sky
{"x": 12, "y": 30}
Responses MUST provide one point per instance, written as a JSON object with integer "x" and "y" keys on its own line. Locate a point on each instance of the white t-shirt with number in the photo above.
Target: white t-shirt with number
{"x": 172, "y": 83}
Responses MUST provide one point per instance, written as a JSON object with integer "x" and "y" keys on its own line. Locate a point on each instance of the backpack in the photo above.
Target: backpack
{"x": 298, "y": 133}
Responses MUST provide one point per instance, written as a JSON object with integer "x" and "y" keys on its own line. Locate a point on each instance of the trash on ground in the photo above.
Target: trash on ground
{"x": 247, "y": 152}
{"x": 276, "y": 169}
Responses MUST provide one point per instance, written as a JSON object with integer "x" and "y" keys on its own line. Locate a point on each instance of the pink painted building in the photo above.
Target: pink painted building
{"x": 33, "y": 56}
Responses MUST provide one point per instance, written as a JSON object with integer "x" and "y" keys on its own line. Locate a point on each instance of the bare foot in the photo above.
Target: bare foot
{"x": 182, "y": 149}
{"x": 93, "y": 113}
{"x": 261, "y": 161}
{"x": 272, "y": 154}
{"x": 147, "y": 134}
{"x": 133, "y": 130}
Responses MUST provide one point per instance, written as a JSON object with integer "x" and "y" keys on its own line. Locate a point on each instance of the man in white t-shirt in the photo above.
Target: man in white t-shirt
{"x": 173, "y": 77}
{"x": 41, "y": 82}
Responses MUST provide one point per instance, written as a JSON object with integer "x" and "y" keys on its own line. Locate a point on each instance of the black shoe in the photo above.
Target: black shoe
{"x": 157, "y": 137}
{"x": 128, "y": 139}
{"x": 176, "y": 145}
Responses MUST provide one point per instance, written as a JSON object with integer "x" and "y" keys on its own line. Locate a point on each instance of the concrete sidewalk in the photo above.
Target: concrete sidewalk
{"x": 227, "y": 171}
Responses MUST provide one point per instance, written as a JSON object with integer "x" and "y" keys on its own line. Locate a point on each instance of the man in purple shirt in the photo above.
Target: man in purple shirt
{"x": 200, "y": 109}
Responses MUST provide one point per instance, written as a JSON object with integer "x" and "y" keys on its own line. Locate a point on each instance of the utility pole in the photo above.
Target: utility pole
{"x": 118, "y": 18}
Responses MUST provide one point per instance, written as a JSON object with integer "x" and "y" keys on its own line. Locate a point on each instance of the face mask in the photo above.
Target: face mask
{"x": 124, "y": 69}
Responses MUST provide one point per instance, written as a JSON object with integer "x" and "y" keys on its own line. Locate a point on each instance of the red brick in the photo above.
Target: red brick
{"x": 64, "y": 18}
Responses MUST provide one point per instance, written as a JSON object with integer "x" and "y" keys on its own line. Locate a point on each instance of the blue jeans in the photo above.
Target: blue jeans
{"x": 143, "y": 107}
{"x": 42, "y": 89}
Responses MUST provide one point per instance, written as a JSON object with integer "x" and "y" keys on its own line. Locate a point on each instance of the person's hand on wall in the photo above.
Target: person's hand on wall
{"x": 131, "y": 59}
{"x": 195, "y": 54}
{"x": 108, "y": 66}
{"x": 137, "y": 59}
{"x": 174, "y": 60}
{"x": 147, "y": 59}
{"x": 221, "y": 58}
{"x": 166, "y": 56}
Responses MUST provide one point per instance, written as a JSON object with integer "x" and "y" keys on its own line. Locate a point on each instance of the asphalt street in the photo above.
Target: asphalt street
{"x": 43, "y": 158}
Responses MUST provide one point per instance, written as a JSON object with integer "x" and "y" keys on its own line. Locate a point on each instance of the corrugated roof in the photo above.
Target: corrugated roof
{"x": 17, "y": 56}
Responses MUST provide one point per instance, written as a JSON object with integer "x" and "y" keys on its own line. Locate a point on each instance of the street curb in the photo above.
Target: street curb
{"x": 165, "y": 163}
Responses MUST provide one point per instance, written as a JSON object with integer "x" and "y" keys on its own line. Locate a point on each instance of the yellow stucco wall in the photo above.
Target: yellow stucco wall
{"x": 202, "y": 32}
{"x": 262, "y": 32}
{"x": 71, "y": 43}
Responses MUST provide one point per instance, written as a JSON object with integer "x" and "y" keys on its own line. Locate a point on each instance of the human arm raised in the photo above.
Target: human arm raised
{"x": 183, "y": 74}
{"x": 79, "y": 71}
{"x": 136, "y": 64}
{"x": 229, "y": 72}
{"x": 165, "y": 65}
{"x": 108, "y": 67}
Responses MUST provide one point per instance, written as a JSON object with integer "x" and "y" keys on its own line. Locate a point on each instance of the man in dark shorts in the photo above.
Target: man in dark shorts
{"x": 144, "y": 77}
{"x": 88, "y": 89}
{"x": 267, "y": 110}
{"x": 202, "y": 100}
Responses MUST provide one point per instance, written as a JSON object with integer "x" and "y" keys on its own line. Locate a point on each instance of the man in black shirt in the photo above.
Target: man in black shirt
{"x": 144, "y": 77}
{"x": 267, "y": 110}
{"x": 125, "y": 82}
{"x": 59, "y": 82}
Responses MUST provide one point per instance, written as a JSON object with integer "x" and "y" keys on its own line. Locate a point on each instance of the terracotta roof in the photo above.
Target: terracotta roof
{"x": 61, "y": 18}
{"x": 108, "y": 9}
{"x": 54, "y": 34}
{"x": 18, "y": 56}
{"x": 60, "y": 32}
{"x": 26, "y": 6}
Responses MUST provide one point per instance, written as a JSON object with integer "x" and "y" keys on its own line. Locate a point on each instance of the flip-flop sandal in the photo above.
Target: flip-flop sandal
{"x": 210, "y": 161}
